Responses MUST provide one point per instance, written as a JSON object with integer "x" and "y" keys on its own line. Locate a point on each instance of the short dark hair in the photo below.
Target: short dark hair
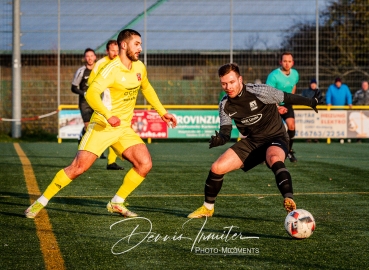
{"x": 286, "y": 53}
{"x": 338, "y": 79}
{"x": 112, "y": 41}
{"x": 88, "y": 50}
{"x": 225, "y": 69}
{"x": 126, "y": 35}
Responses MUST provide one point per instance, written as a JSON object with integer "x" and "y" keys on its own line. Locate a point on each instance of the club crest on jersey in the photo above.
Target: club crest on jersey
{"x": 253, "y": 105}
{"x": 138, "y": 76}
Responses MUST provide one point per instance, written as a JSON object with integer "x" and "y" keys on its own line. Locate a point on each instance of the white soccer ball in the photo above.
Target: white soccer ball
{"x": 300, "y": 224}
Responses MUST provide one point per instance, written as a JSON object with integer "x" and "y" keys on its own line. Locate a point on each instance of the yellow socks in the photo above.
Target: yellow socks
{"x": 60, "y": 180}
{"x": 130, "y": 182}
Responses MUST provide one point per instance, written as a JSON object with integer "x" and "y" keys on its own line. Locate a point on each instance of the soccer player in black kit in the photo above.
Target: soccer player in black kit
{"x": 253, "y": 107}
{"x": 79, "y": 87}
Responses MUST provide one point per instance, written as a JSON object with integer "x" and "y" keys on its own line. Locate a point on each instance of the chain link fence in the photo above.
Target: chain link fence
{"x": 185, "y": 41}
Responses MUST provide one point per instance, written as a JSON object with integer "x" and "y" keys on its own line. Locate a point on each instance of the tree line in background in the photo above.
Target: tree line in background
{"x": 343, "y": 41}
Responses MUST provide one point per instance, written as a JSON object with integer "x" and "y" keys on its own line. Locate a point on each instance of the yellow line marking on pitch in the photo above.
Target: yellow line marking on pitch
{"x": 48, "y": 244}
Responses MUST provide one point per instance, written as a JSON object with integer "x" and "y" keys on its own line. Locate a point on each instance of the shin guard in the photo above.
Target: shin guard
{"x": 283, "y": 179}
{"x": 212, "y": 186}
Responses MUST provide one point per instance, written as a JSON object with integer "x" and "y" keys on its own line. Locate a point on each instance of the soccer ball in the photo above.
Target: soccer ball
{"x": 299, "y": 224}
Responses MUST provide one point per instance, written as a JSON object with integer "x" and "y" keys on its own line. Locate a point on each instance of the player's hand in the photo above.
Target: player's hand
{"x": 170, "y": 120}
{"x": 316, "y": 100}
{"x": 217, "y": 140}
{"x": 114, "y": 121}
{"x": 282, "y": 109}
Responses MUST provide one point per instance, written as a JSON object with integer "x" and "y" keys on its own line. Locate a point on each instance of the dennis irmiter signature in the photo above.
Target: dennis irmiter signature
{"x": 123, "y": 245}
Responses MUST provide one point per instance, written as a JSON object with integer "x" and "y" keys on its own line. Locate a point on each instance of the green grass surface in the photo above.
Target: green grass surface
{"x": 330, "y": 181}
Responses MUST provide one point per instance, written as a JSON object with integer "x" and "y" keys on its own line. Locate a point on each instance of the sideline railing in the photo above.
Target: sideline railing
{"x": 331, "y": 121}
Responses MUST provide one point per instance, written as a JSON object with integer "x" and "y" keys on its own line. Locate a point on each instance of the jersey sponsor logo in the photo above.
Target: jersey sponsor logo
{"x": 138, "y": 76}
{"x": 253, "y": 105}
{"x": 248, "y": 121}
{"x": 131, "y": 94}
{"x": 231, "y": 114}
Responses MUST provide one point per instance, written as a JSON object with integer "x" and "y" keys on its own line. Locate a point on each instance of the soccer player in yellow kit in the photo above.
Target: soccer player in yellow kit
{"x": 125, "y": 75}
{"x": 112, "y": 51}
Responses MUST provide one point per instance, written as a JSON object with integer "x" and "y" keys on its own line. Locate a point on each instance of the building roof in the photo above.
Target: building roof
{"x": 172, "y": 25}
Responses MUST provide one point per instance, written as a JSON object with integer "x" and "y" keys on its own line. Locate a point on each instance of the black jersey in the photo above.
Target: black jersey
{"x": 79, "y": 83}
{"x": 254, "y": 112}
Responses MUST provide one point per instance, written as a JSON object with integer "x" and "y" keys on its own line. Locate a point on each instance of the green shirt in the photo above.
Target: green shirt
{"x": 281, "y": 81}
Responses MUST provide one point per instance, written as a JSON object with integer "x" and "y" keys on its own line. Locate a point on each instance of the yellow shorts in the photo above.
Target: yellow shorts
{"x": 99, "y": 137}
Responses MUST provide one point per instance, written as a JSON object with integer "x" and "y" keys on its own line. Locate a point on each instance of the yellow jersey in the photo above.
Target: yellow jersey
{"x": 98, "y": 65}
{"x": 105, "y": 96}
{"x": 124, "y": 85}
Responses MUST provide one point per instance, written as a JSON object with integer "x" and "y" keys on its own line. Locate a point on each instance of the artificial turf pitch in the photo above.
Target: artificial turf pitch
{"x": 246, "y": 232}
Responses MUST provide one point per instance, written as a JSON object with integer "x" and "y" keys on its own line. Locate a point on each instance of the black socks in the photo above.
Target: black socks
{"x": 212, "y": 186}
{"x": 283, "y": 179}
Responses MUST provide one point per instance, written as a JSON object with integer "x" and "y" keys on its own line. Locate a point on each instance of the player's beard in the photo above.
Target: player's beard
{"x": 131, "y": 56}
{"x": 288, "y": 69}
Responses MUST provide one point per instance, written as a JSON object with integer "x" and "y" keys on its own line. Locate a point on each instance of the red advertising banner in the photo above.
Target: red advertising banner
{"x": 148, "y": 124}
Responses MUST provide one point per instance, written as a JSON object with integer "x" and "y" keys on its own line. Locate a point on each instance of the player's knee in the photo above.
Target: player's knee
{"x": 272, "y": 159}
{"x": 144, "y": 166}
{"x": 214, "y": 168}
{"x": 148, "y": 166}
{"x": 217, "y": 168}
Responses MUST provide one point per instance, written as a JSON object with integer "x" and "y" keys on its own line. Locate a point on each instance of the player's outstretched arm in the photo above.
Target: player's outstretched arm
{"x": 170, "y": 120}
{"x": 299, "y": 100}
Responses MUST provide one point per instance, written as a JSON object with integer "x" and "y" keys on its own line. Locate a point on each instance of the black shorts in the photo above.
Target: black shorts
{"x": 86, "y": 111}
{"x": 252, "y": 154}
{"x": 290, "y": 113}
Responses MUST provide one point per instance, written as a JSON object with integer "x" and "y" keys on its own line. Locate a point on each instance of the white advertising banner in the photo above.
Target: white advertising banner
{"x": 70, "y": 124}
{"x": 332, "y": 124}
{"x": 325, "y": 124}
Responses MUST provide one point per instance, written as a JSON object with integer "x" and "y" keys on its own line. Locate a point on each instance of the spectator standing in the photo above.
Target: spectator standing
{"x": 338, "y": 94}
{"x": 310, "y": 92}
{"x": 361, "y": 97}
